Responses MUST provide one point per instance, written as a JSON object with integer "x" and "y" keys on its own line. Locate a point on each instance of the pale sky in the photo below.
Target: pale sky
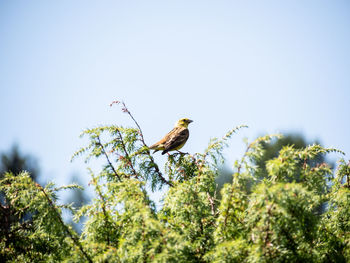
{"x": 274, "y": 65}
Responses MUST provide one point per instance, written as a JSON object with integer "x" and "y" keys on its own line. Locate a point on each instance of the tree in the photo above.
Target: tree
{"x": 14, "y": 162}
{"x": 271, "y": 150}
{"x": 256, "y": 220}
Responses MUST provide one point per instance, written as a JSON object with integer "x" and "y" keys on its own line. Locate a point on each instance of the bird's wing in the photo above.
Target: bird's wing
{"x": 165, "y": 139}
{"x": 176, "y": 139}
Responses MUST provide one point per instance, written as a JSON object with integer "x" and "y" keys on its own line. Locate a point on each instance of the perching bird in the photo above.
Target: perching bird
{"x": 175, "y": 139}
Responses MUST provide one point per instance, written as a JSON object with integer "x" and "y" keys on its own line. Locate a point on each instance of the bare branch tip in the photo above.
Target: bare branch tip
{"x": 114, "y": 102}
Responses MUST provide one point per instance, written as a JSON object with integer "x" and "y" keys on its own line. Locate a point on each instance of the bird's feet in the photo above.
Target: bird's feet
{"x": 182, "y": 153}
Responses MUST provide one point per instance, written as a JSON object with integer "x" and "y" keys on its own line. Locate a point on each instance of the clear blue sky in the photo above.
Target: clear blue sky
{"x": 273, "y": 65}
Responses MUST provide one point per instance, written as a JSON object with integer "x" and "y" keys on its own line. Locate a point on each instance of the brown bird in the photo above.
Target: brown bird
{"x": 175, "y": 139}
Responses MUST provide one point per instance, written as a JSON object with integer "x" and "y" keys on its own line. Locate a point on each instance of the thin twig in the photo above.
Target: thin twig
{"x": 157, "y": 170}
{"x": 106, "y": 155}
{"x": 212, "y": 204}
{"x": 125, "y": 109}
{"x": 266, "y": 239}
{"x": 70, "y": 234}
{"x": 126, "y": 153}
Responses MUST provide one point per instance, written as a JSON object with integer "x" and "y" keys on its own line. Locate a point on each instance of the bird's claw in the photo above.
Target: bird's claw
{"x": 182, "y": 153}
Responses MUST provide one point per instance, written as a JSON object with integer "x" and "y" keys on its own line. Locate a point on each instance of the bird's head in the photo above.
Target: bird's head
{"x": 183, "y": 122}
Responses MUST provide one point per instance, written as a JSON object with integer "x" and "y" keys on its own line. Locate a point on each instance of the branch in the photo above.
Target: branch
{"x": 67, "y": 230}
{"x": 126, "y": 153}
{"x": 106, "y": 221}
{"x": 212, "y": 204}
{"x": 157, "y": 169}
{"x": 267, "y": 242}
{"x": 109, "y": 162}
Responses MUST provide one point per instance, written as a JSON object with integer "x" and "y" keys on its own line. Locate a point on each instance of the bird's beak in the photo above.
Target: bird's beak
{"x": 189, "y": 121}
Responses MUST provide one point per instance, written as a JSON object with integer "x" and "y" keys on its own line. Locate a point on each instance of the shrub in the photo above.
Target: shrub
{"x": 270, "y": 218}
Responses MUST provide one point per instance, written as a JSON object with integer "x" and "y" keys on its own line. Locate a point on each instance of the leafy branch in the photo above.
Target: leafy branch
{"x": 107, "y": 158}
{"x": 147, "y": 151}
{"x": 72, "y": 235}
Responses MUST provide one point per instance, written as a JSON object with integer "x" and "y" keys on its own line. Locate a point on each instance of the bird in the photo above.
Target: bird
{"x": 175, "y": 139}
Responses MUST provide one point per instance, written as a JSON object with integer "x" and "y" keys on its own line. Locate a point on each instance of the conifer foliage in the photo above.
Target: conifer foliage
{"x": 268, "y": 218}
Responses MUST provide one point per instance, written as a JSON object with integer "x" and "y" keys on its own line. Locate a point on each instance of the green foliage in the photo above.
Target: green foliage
{"x": 15, "y": 162}
{"x": 272, "y": 149}
{"x": 274, "y": 218}
{"x": 44, "y": 237}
